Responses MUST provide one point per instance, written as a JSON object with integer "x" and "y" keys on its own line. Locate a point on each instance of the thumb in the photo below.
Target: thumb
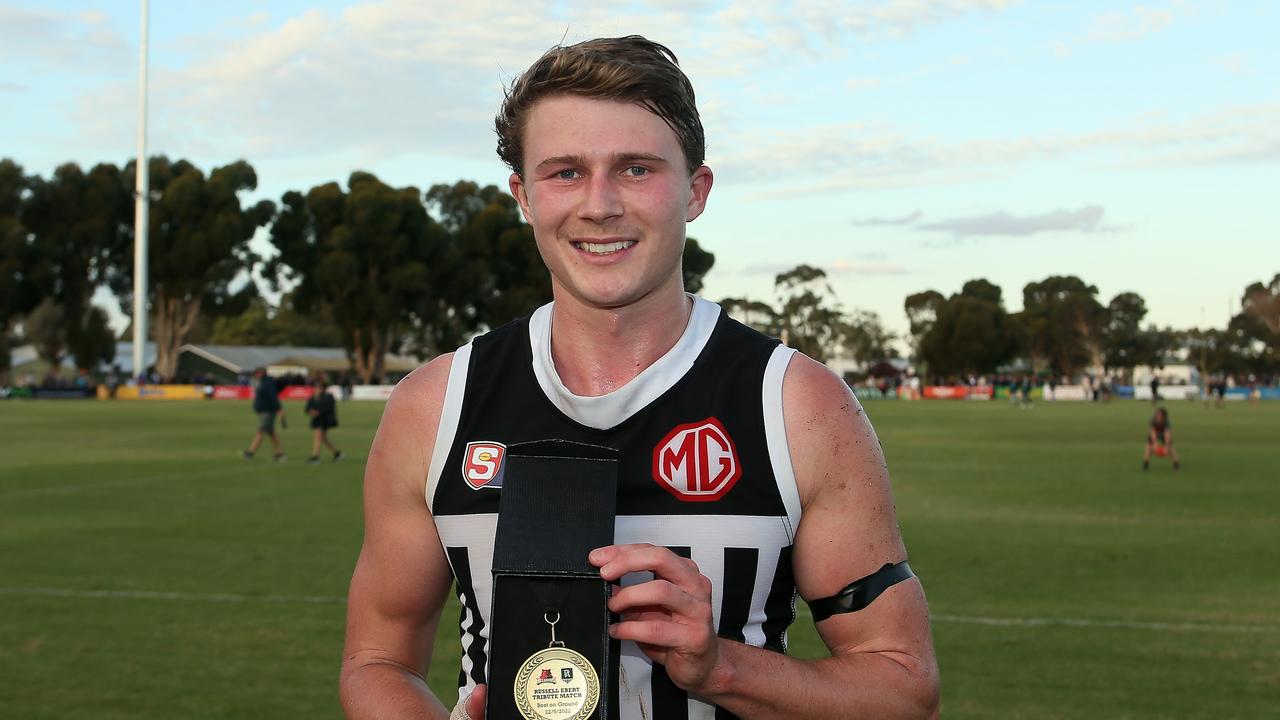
{"x": 475, "y": 703}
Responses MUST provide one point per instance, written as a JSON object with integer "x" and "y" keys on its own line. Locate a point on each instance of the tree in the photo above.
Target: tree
{"x": 261, "y": 324}
{"x": 488, "y": 272}
{"x": 809, "y": 315}
{"x": 971, "y": 333}
{"x": 368, "y": 253}
{"x": 754, "y": 313}
{"x": 1251, "y": 345}
{"x": 80, "y": 242}
{"x": 865, "y": 337}
{"x": 1263, "y": 302}
{"x": 1207, "y": 348}
{"x": 197, "y": 246}
{"x": 922, "y": 311}
{"x": 1259, "y": 322}
{"x": 18, "y": 294}
{"x": 45, "y": 330}
{"x": 1124, "y": 343}
{"x": 695, "y": 264}
{"x": 1063, "y": 321}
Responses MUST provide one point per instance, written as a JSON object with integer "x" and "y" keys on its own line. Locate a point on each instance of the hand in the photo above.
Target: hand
{"x": 472, "y": 708}
{"x": 669, "y": 617}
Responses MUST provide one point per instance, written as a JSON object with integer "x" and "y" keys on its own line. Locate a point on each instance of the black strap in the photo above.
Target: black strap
{"x": 860, "y": 593}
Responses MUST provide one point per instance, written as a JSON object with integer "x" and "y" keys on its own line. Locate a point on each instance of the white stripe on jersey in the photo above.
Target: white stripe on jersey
{"x": 775, "y": 432}
{"x": 449, "y": 415}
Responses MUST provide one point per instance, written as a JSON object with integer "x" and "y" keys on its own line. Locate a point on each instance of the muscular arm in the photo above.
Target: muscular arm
{"x": 882, "y": 663}
{"x": 402, "y": 576}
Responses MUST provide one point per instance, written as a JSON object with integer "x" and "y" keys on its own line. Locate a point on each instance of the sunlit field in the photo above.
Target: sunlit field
{"x": 147, "y": 572}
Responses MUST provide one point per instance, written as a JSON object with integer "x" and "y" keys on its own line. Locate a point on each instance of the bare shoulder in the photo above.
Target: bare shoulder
{"x": 407, "y": 431}
{"x": 848, "y": 516}
{"x": 422, "y": 391}
{"x": 826, "y": 425}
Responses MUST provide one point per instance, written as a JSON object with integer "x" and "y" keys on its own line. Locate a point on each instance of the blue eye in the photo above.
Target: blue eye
{"x": 567, "y": 174}
{"x": 637, "y": 171}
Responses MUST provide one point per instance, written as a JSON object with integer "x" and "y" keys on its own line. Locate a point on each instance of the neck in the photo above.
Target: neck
{"x": 598, "y": 350}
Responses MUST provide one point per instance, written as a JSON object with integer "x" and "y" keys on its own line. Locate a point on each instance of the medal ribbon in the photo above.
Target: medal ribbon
{"x": 552, "y": 595}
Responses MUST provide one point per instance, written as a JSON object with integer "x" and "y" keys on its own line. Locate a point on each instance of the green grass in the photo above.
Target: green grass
{"x": 147, "y": 572}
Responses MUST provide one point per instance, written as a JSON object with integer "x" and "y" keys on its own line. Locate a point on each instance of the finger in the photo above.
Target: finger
{"x": 661, "y": 594}
{"x": 658, "y": 560}
{"x": 657, "y": 635}
{"x": 602, "y": 555}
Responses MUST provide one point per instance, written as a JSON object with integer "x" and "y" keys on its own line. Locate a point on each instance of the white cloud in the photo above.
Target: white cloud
{"x": 1236, "y": 63}
{"x": 865, "y": 267}
{"x": 1085, "y": 220}
{"x": 396, "y": 77}
{"x": 837, "y": 267}
{"x": 1141, "y": 21}
{"x": 881, "y": 222}
{"x": 866, "y": 156}
{"x": 81, "y": 41}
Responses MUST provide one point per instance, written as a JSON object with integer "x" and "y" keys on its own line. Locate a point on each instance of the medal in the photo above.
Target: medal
{"x": 556, "y": 683}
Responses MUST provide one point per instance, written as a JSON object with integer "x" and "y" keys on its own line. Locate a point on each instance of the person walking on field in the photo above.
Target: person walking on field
{"x": 266, "y": 405}
{"x": 1160, "y": 439}
{"x": 324, "y": 415}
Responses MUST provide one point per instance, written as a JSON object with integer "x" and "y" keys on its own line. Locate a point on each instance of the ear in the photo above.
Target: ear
{"x": 518, "y": 191}
{"x": 699, "y": 189}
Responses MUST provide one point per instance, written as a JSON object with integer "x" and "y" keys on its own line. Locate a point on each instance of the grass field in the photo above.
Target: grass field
{"x": 147, "y": 572}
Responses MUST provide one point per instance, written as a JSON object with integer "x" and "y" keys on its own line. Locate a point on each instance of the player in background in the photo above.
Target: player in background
{"x": 1160, "y": 439}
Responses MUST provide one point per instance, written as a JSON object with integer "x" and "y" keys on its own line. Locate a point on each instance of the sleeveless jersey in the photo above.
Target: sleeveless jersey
{"x": 704, "y": 469}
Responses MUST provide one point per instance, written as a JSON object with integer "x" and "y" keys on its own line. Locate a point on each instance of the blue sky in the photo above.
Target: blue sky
{"x": 901, "y": 145}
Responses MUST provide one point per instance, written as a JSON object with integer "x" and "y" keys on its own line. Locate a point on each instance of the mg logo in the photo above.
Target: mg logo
{"x": 482, "y": 464}
{"x": 697, "y": 462}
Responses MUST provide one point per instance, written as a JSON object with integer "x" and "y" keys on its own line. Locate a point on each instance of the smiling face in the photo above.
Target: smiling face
{"x": 607, "y": 192}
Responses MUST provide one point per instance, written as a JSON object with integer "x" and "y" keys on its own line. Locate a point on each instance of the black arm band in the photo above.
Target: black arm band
{"x": 860, "y": 593}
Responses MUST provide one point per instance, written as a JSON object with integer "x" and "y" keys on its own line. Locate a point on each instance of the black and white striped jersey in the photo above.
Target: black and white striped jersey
{"x": 704, "y": 469}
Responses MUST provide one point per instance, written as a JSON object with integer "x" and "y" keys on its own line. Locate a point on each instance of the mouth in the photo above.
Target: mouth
{"x": 602, "y": 247}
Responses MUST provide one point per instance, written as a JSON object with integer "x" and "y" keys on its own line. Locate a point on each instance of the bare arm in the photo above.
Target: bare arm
{"x": 402, "y": 577}
{"x": 882, "y": 663}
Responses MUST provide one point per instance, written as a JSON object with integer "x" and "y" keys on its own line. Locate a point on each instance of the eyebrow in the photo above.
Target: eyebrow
{"x": 616, "y": 159}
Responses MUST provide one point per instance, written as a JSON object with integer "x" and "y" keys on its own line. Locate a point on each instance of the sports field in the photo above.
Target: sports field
{"x": 147, "y": 572}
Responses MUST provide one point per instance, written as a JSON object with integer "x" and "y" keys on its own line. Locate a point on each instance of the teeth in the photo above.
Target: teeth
{"x": 604, "y": 248}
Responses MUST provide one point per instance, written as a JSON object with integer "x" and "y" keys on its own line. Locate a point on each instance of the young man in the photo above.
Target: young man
{"x": 324, "y": 416}
{"x": 1160, "y": 439}
{"x": 266, "y": 406}
{"x": 606, "y": 150}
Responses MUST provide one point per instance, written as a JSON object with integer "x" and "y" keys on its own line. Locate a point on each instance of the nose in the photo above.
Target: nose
{"x": 601, "y": 201}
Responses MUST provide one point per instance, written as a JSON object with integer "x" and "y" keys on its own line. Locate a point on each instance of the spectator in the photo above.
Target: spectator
{"x": 266, "y": 406}
{"x": 324, "y": 416}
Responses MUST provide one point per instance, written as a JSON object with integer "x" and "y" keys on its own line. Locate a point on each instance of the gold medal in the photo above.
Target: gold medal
{"x": 556, "y": 683}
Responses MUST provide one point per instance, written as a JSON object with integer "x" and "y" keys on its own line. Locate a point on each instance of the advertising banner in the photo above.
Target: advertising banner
{"x": 232, "y": 392}
{"x": 946, "y": 392}
{"x": 72, "y": 393}
{"x": 296, "y": 392}
{"x": 160, "y": 392}
{"x": 1168, "y": 392}
{"x": 1067, "y": 392}
{"x": 371, "y": 392}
